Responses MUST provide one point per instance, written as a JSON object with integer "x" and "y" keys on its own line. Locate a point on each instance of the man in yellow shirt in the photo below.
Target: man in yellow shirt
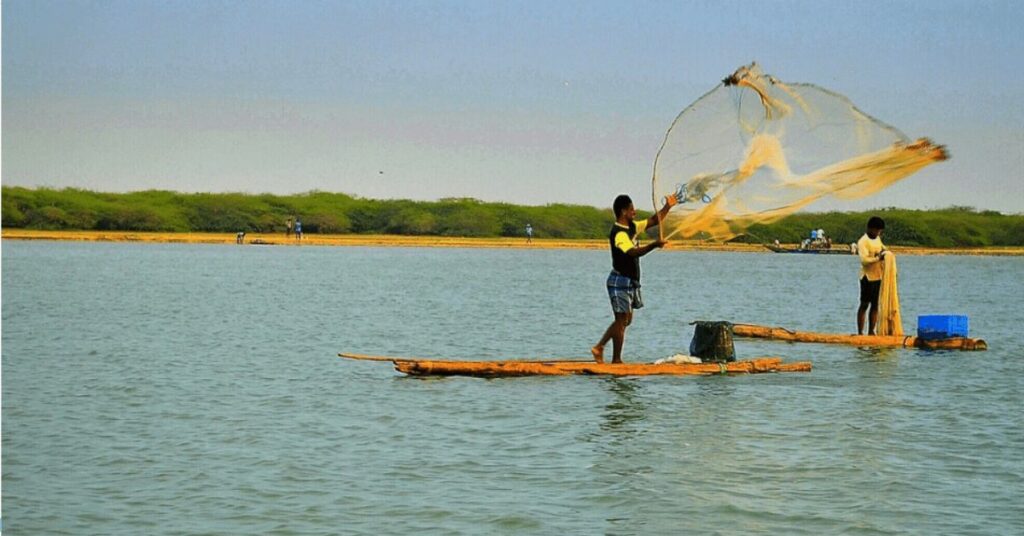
{"x": 871, "y": 252}
{"x": 624, "y": 280}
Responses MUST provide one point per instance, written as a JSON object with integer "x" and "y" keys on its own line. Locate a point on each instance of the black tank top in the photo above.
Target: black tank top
{"x": 622, "y": 262}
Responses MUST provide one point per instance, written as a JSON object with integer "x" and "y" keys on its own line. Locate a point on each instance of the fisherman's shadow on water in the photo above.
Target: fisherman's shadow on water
{"x": 627, "y": 413}
{"x": 876, "y": 363}
{"x": 621, "y": 420}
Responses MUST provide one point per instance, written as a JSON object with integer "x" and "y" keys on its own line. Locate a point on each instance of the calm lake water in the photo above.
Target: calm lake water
{"x": 187, "y": 389}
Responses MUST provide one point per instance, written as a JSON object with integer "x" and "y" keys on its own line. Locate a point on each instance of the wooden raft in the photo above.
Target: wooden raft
{"x": 497, "y": 369}
{"x": 899, "y": 341}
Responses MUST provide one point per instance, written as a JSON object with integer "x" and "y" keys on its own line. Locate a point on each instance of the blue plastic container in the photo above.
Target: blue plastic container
{"x": 931, "y": 327}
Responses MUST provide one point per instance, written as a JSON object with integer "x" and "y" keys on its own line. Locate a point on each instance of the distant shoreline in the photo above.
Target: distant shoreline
{"x": 352, "y": 240}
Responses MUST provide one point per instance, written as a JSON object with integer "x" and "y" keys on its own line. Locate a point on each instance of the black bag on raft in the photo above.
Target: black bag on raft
{"x": 712, "y": 341}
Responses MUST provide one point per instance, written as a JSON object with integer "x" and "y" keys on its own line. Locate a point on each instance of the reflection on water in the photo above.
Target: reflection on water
{"x": 869, "y": 353}
{"x": 712, "y": 389}
{"x": 875, "y": 366}
{"x": 623, "y": 415}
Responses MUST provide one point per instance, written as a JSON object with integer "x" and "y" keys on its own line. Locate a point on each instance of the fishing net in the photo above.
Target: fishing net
{"x": 890, "y": 322}
{"x": 755, "y": 149}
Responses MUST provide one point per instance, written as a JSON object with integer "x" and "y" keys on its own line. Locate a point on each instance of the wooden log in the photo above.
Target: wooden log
{"x": 487, "y": 369}
{"x": 799, "y": 366}
{"x": 907, "y": 341}
{"x": 495, "y": 369}
{"x": 954, "y": 343}
{"x": 556, "y": 367}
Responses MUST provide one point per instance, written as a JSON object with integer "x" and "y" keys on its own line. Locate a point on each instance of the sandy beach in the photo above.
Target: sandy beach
{"x": 277, "y": 239}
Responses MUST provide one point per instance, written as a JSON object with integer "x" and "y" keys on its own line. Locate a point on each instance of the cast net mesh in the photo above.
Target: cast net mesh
{"x": 755, "y": 149}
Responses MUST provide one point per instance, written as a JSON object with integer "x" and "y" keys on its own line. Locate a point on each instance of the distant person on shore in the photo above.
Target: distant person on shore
{"x": 529, "y": 233}
{"x": 240, "y": 237}
{"x": 288, "y": 228}
{"x": 871, "y": 252}
{"x": 298, "y": 229}
{"x": 624, "y": 280}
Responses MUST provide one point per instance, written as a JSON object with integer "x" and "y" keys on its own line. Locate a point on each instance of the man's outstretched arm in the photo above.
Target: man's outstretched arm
{"x": 670, "y": 201}
{"x": 644, "y": 250}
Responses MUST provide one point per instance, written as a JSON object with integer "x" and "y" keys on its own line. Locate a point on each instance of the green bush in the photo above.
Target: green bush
{"x": 411, "y": 220}
{"x": 948, "y": 227}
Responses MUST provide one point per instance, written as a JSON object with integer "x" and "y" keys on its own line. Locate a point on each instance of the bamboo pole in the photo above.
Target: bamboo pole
{"x": 905, "y": 341}
{"x": 365, "y": 357}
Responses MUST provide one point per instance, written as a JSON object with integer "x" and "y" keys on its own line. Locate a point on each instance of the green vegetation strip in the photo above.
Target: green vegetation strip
{"x": 335, "y": 213}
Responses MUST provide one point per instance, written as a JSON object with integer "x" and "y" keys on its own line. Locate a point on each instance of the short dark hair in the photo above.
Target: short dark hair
{"x": 876, "y": 223}
{"x": 621, "y": 203}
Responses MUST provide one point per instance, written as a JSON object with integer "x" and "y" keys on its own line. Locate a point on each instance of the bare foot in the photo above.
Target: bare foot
{"x": 598, "y": 353}
{"x": 616, "y": 361}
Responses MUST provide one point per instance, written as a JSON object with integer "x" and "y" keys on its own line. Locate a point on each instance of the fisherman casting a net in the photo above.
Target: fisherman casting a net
{"x": 751, "y": 151}
{"x": 624, "y": 280}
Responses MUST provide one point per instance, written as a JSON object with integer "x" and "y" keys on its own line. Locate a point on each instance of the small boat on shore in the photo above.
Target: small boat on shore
{"x": 896, "y": 341}
{"x": 514, "y": 368}
{"x": 810, "y": 251}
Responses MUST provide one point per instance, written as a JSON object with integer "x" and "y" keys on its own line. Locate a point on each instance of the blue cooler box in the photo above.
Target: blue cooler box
{"x": 941, "y": 326}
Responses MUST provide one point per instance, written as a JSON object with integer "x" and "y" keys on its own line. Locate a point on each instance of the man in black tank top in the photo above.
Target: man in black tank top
{"x": 624, "y": 280}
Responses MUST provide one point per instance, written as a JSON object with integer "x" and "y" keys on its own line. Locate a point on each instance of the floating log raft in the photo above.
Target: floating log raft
{"x": 898, "y": 341}
{"x": 497, "y": 369}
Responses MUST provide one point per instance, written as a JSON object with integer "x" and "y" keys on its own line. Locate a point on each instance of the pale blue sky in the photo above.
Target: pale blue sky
{"x": 526, "y": 102}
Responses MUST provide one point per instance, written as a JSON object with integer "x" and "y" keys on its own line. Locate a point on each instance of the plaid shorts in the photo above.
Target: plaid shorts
{"x": 624, "y": 293}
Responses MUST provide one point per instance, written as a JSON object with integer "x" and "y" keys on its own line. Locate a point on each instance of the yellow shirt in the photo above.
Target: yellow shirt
{"x": 868, "y": 250}
{"x": 622, "y": 240}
